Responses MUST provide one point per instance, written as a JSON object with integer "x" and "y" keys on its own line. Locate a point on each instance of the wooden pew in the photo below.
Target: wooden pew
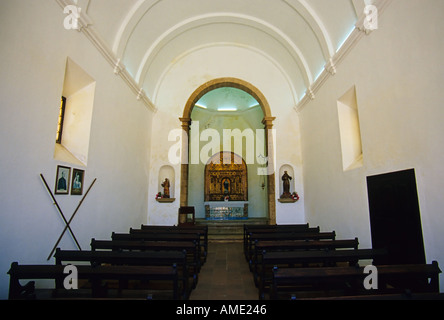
{"x": 202, "y": 232}
{"x": 304, "y": 258}
{"x": 416, "y": 279}
{"x": 202, "y": 229}
{"x": 249, "y": 231}
{"x": 139, "y": 258}
{"x": 191, "y": 249}
{"x": 295, "y": 227}
{"x": 388, "y": 297}
{"x": 95, "y": 274}
{"x": 285, "y": 236}
{"x": 264, "y": 228}
{"x": 297, "y": 245}
{"x": 162, "y": 237}
{"x": 200, "y": 237}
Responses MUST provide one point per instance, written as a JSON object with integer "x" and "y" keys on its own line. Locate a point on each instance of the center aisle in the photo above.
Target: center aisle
{"x": 225, "y": 275}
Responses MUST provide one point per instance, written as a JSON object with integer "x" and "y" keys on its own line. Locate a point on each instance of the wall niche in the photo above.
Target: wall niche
{"x": 166, "y": 184}
{"x": 287, "y": 187}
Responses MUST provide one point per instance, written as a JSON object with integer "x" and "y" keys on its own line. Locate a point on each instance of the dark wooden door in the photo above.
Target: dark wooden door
{"x": 395, "y": 217}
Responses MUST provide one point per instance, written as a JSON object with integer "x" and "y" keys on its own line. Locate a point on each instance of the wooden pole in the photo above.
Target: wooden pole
{"x": 59, "y": 209}
{"x": 72, "y": 217}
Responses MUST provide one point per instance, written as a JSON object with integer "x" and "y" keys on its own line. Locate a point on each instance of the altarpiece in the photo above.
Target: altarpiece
{"x": 226, "y": 187}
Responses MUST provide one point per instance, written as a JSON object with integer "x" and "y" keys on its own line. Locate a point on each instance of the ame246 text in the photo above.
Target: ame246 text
{"x": 240, "y": 309}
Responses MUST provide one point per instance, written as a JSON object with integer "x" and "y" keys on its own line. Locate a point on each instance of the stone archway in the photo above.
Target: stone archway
{"x": 267, "y": 122}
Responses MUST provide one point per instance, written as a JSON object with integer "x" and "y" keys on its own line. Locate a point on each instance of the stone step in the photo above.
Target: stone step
{"x": 227, "y": 230}
{"x": 239, "y": 222}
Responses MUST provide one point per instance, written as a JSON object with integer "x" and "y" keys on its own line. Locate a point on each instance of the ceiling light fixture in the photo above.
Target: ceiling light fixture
{"x": 227, "y": 109}
{"x": 200, "y": 106}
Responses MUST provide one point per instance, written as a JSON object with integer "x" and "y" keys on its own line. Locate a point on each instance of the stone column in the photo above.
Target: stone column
{"x": 186, "y": 122}
{"x": 269, "y": 138}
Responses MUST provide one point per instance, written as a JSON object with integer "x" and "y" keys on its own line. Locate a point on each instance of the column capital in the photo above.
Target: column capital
{"x": 268, "y": 122}
{"x": 186, "y": 123}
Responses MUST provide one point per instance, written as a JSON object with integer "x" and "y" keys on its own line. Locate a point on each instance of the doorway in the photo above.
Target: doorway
{"x": 395, "y": 217}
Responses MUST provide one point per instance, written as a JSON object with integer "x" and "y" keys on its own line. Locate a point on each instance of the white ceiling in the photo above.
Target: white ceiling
{"x": 148, "y": 36}
{"x": 227, "y": 99}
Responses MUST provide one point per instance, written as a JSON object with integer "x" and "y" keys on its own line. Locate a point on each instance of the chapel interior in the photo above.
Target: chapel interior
{"x": 121, "y": 114}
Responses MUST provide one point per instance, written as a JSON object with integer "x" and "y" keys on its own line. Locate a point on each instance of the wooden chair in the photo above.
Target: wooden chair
{"x": 186, "y": 216}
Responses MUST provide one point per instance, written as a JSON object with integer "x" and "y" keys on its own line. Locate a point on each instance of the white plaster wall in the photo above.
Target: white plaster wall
{"x": 77, "y": 124}
{"x": 198, "y": 67}
{"x": 33, "y": 53}
{"x": 397, "y": 71}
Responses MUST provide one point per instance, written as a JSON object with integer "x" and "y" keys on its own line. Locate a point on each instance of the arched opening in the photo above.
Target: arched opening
{"x": 268, "y": 175}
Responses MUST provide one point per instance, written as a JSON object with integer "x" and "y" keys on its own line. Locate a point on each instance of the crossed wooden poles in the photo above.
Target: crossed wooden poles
{"x": 67, "y": 227}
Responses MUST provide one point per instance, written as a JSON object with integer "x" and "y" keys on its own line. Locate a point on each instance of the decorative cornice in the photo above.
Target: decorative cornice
{"x": 332, "y": 65}
{"x": 85, "y": 26}
{"x": 310, "y": 93}
{"x": 118, "y": 68}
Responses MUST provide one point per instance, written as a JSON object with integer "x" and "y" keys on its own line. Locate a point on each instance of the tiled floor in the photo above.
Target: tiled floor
{"x": 225, "y": 275}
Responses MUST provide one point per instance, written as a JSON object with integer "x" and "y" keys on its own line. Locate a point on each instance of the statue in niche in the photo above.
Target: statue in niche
{"x": 226, "y": 185}
{"x": 166, "y": 188}
{"x": 286, "y": 184}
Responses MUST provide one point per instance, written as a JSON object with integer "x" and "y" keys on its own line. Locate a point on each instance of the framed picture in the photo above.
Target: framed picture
{"x": 77, "y": 182}
{"x": 62, "y": 180}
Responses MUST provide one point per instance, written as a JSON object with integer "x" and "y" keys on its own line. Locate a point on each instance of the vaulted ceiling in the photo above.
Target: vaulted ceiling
{"x": 147, "y": 37}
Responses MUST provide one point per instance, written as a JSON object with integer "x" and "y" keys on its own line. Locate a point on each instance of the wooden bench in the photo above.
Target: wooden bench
{"x": 388, "y": 297}
{"x": 202, "y": 236}
{"x": 139, "y": 258}
{"x": 251, "y": 233}
{"x": 296, "y": 227}
{"x": 191, "y": 249}
{"x": 200, "y": 241}
{"x": 285, "y": 236}
{"x": 202, "y": 229}
{"x": 392, "y": 279}
{"x": 305, "y": 258}
{"x": 297, "y": 245}
{"x": 162, "y": 237}
{"x": 95, "y": 274}
{"x": 264, "y": 228}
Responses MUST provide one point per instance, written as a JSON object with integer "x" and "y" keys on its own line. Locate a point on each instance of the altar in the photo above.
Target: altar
{"x": 226, "y": 187}
{"x": 226, "y": 210}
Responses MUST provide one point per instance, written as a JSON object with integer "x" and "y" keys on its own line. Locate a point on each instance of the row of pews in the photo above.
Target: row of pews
{"x": 301, "y": 262}
{"x": 153, "y": 262}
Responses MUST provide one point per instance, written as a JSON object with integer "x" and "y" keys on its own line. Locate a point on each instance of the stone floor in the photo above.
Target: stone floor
{"x": 225, "y": 275}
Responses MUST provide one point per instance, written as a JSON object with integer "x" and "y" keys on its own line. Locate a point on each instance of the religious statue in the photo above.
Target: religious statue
{"x": 226, "y": 183}
{"x": 166, "y": 188}
{"x": 286, "y": 183}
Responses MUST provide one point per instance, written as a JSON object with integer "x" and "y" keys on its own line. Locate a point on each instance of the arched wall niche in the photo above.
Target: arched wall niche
{"x": 167, "y": 172}
{"x": 290, "y": 171}
{"x": 267, "y": 122}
